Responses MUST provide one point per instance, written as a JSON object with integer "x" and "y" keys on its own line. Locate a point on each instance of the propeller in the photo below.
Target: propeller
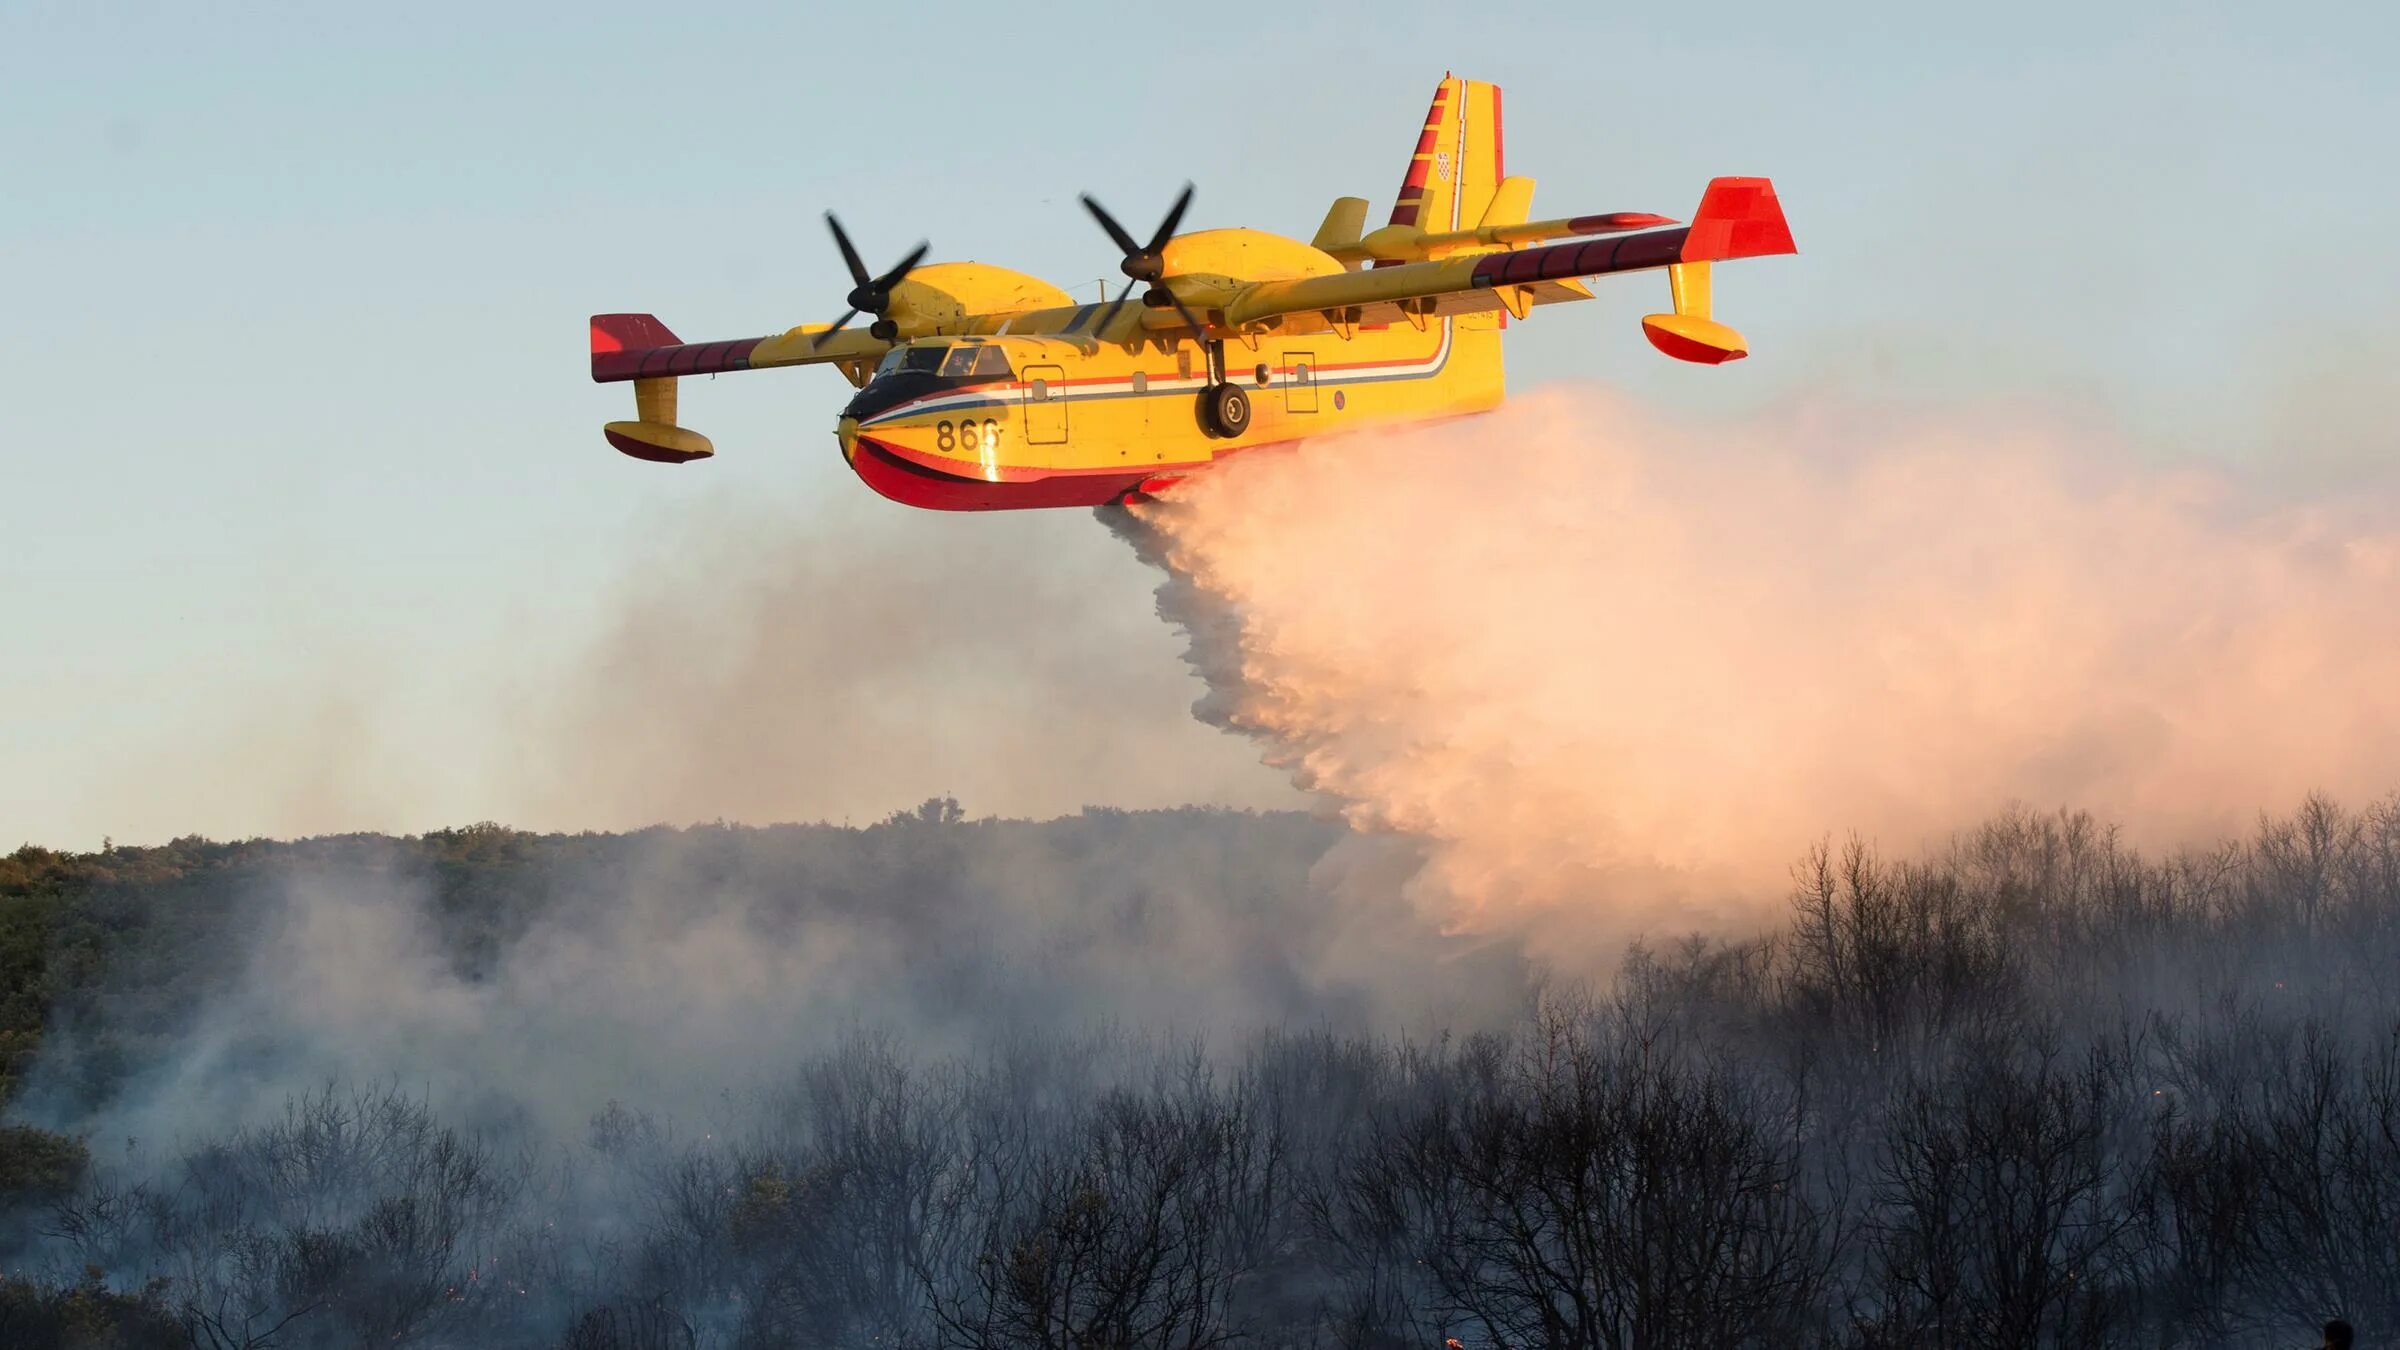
{"x": 1145, "y": 263}
{"x": 868, "y": 295}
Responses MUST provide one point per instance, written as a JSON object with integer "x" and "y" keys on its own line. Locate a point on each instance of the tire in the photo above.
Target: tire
{"x": 1225, "y": 410}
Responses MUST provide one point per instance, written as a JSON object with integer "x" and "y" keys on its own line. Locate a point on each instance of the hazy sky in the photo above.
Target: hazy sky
{"x": 305, "y": 518}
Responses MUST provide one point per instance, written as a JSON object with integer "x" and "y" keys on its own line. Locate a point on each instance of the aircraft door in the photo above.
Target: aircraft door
{"x": 1300, "y": 386}
{"x": 1045, "y": 403}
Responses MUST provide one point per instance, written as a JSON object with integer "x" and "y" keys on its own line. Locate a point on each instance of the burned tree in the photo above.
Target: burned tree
{"x": 1585, "y": 1188}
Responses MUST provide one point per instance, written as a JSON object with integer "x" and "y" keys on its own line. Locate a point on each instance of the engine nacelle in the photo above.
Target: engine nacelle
{"x": 938, "y": 297}
{"x": 1210, "y": 267}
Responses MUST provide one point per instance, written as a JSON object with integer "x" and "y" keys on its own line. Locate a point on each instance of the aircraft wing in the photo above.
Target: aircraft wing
{"x": 639, "y": 347}
{"x": 1738, "y": 218}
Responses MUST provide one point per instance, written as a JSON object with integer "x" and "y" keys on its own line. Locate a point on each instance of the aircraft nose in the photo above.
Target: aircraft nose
{"x": 846, "y": 431}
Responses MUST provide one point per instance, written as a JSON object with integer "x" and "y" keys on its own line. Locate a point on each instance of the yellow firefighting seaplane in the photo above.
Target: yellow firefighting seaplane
{"x": 984, "y": 389}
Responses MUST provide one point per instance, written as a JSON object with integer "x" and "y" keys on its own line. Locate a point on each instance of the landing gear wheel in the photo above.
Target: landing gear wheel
{"x": 1225, "y": 410}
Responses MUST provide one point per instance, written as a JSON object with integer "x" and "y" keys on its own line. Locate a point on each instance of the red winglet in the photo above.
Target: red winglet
{"x": 1738, "y": 218}
{"x": 629, "y": 333}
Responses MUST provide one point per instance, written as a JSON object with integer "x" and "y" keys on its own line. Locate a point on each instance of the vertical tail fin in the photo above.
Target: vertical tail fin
{"x": 1459, "y": 160}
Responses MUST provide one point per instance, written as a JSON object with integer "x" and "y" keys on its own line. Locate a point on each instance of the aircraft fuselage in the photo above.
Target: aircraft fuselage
{"x": 1081, "y": 421}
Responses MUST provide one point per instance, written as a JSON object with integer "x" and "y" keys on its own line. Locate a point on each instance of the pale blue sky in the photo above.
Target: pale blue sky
{"x": 299, "y": 434}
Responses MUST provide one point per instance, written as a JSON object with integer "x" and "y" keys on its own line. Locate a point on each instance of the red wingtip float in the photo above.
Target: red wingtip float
{"x": 985, "y": 389}
{"x": 1738, "y": 218}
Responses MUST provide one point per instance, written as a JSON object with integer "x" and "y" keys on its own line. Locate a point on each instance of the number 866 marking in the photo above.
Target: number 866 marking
{"x": 967, "y": 436}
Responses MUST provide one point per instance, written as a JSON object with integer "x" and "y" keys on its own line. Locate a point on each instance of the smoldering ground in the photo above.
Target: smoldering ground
{"x": 2033, "y": 1090}
{"x": 525, "y": 981}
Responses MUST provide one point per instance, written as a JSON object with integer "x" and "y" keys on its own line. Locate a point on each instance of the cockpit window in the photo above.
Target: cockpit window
{"x": 969, "y": 361}
{"x": 976, "y": 362}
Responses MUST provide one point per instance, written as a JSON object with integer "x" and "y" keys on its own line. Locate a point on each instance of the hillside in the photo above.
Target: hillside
{"x": 1178, "y": 1078}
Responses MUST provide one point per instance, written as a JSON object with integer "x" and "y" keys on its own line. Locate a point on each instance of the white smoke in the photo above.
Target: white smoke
{"x": 1617, "y": 673}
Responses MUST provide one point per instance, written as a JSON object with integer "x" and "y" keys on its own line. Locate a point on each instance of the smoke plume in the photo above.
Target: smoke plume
{"x": 1617, "y": 672}
{"x": 667, "y": 969}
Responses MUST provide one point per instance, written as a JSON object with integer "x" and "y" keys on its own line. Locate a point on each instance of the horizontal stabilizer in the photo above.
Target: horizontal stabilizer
{"x": 1512, "y": 204}
{"x": 1342, "y": 224}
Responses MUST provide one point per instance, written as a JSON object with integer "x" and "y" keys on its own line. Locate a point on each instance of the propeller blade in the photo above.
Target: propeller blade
{"x": 1199, "y": 329}
{"x": 1166, "y": 228}
{"x": 838, "y": 325}
{"x": 916, "y": 255}
{"x": 858, "y": 268}
{"x": 1109, "y": 223}
{"x": 1109, "y": 315}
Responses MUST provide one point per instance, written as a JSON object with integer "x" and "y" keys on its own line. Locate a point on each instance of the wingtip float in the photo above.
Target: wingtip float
{"x": 980, "y": 388}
